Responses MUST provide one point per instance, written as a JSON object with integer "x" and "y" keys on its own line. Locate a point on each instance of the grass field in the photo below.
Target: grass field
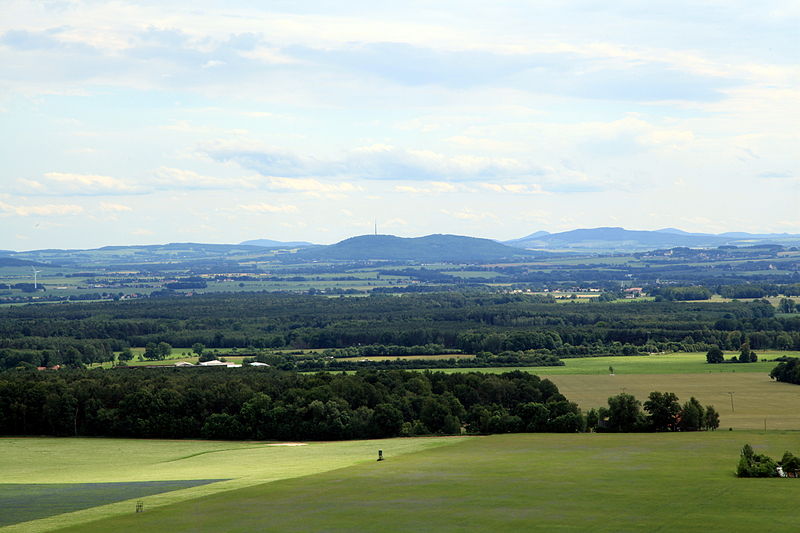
{"x": 58, "y": 461}
{"x": 588, "y": 482}
{"x": 673, "y": 363}
{"x": 756, "y": 398}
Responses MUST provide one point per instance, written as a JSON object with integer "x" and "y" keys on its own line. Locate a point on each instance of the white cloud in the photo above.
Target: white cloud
{"x": 86, "y": 184}
{"x": 514, "y": 188}
{"x": 176, "y": 178}
{"x": 372, "y": 162}
{"x": 268, "y": 208}
{"x": 312, "y": 186}
{"x": 468, "y": 214}
{"x": 114, "y": 208}
{"x": 395, "y": 223}
{"x": 432, "y": 187}
{"x": 40, "y": 210}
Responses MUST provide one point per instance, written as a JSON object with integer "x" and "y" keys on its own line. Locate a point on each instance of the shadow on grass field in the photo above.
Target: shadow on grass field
{"x": 22, "y": 502}
{"x": 587, "y": 482}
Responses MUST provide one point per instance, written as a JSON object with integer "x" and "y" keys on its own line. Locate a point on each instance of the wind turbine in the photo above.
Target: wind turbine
{"x": 34, "y": 276}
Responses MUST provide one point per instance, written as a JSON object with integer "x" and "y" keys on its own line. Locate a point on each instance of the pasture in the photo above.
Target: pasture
{"x": 528, "y": 482}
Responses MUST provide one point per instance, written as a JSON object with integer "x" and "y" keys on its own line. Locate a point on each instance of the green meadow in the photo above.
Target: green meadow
{"x": 528, "y": 482}
{"x": 35, "y": 461}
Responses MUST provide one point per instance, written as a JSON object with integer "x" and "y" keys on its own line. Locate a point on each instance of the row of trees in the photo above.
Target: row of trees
{"x": 746, "y": 355}
{"x": 662, "y": 412}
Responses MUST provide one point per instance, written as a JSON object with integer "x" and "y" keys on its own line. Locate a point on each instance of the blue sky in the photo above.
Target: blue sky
{"x": 150, "y": 122}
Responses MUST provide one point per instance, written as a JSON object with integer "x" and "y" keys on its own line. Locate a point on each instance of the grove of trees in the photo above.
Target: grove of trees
{"x": 787, "y": 371}
{"x": 662, "y": 412}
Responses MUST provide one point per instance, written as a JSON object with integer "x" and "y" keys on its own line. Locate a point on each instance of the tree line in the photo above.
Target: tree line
{"x": 268, "y": 404}
{"x": 470, "y": 322}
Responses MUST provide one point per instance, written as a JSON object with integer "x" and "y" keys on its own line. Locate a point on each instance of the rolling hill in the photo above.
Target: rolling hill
{"x": 431, "y": 248}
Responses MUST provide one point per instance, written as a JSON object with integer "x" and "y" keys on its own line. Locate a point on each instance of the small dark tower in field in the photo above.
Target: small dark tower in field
{"x": 380, "y": 455}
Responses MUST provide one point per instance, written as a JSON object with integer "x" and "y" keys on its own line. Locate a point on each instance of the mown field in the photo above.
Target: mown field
{"x": 756, "y": 399}
{"x": 36, "y": 461}
{"x": 529, "y": 482}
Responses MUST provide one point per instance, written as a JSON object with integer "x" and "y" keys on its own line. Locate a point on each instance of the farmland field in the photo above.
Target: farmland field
{"x": 544, "y": 482}
{"x": 756, "y": 398}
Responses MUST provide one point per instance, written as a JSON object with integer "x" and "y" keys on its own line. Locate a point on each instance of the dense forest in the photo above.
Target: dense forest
{"x": 468, "y": 322}
{"x": 268, "y": 404}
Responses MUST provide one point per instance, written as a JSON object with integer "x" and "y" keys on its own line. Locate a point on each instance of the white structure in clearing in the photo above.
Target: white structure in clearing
{"x": 220, "y": 363}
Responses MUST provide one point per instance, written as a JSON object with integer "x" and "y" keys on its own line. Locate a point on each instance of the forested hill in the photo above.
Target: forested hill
{"x": 431, "y": 248}
{"x": 11, "y": 262}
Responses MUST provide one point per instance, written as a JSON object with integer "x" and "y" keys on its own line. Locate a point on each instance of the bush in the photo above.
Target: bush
{"x": 752, "y": 464}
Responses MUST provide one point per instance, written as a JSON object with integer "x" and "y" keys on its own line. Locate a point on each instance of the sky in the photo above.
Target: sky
{"x": 145, "y": 122}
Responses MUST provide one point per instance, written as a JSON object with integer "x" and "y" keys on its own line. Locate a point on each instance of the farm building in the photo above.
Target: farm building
{"x": 634, "y": 292}
{"x": 220, "y": 363}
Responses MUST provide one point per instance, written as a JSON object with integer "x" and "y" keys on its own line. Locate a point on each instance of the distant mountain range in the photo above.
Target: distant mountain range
{"x": 431, "y": 248}
{"x": 268, "y": 243}
{"x": 612, "y": 239}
